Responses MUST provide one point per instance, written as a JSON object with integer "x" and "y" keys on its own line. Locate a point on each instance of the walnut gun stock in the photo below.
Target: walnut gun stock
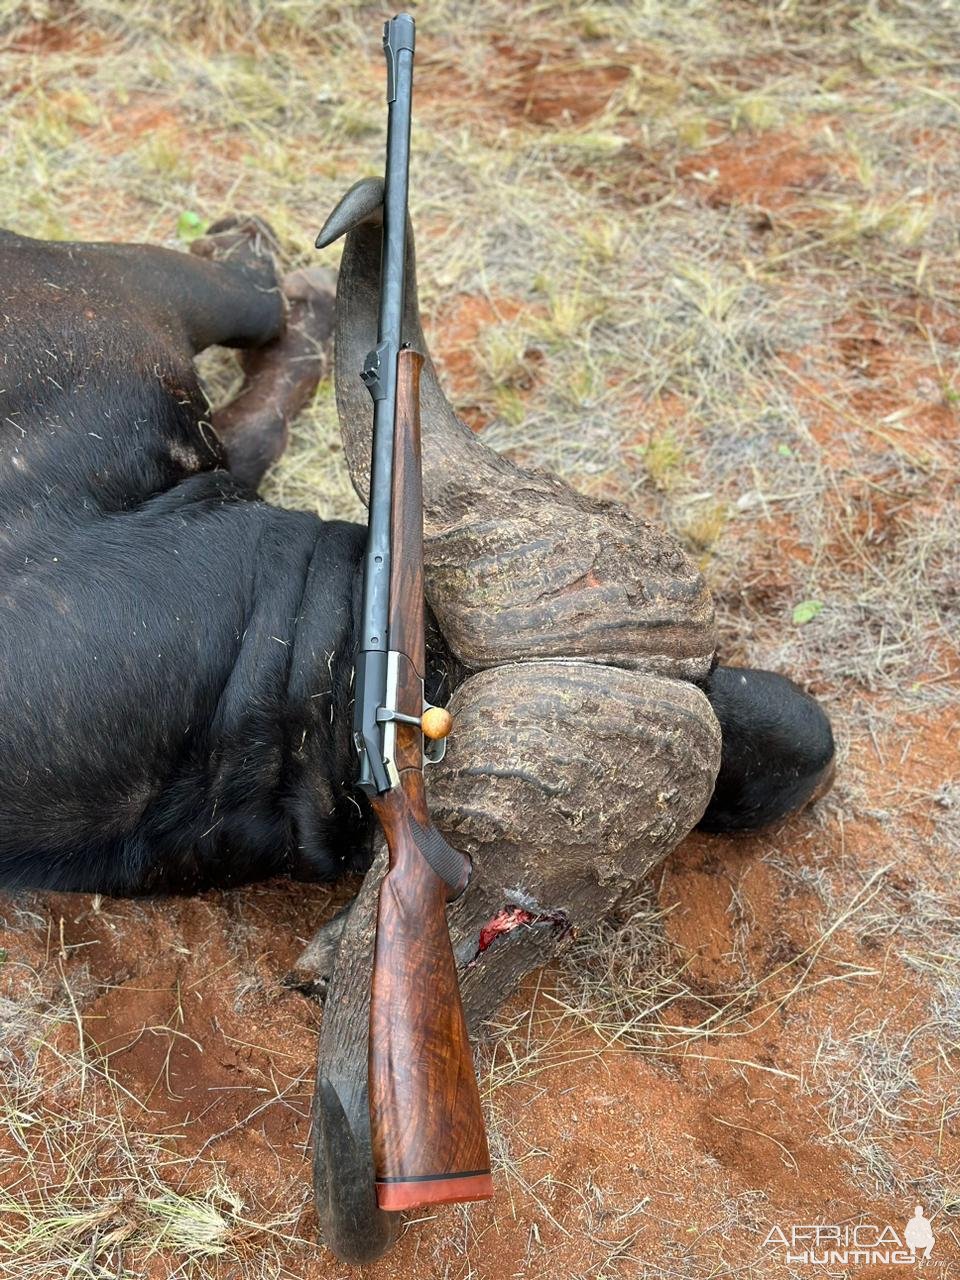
{"x": 426, "y": 1121}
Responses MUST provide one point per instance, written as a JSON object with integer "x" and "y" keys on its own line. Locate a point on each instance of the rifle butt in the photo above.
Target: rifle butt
{"x": 427, "y": 1131}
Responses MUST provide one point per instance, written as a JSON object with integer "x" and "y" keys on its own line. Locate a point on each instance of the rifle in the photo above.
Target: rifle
{"x": 427, "y": 1132}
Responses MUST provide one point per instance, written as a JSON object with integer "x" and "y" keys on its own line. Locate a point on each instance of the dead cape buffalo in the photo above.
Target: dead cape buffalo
{"x": 175, "y": 688}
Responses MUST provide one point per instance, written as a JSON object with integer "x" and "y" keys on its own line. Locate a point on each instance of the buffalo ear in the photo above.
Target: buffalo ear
{"x": 778, "y": 750}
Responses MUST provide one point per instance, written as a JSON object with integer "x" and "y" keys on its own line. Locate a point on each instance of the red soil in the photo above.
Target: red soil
{"x": 776, "y": 172}
{"x": 460, "y": 325}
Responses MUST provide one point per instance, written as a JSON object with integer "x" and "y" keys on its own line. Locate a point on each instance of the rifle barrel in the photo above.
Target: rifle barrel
{"x": 380, "y": 376}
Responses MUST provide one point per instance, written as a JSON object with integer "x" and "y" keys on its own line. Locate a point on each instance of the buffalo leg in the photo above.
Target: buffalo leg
{"x": 225, "y": 291}
{"x": 279, "y": 378}
{"x": 282, "y": 366}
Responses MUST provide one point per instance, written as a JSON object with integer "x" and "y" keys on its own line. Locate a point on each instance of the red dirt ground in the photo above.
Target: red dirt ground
{"x": 682, "y": 1158}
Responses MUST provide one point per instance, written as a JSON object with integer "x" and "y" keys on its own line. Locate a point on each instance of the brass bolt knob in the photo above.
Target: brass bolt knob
{"x": 436, "y": 722}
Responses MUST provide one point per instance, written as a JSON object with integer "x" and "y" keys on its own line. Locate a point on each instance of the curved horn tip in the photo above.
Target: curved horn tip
{"x": 361, "y": 202}
{"x": 352, "y": 1226}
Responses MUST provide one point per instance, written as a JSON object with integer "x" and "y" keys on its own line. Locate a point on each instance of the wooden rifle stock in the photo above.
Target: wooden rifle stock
{"x": 427, "y": 1131}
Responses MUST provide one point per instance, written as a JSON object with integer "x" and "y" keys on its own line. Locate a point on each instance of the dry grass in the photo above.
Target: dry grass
{"x": 718, "y": 247}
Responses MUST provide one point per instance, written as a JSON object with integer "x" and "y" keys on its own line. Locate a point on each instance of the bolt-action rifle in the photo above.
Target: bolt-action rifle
{"x": 427, "y": 1132}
